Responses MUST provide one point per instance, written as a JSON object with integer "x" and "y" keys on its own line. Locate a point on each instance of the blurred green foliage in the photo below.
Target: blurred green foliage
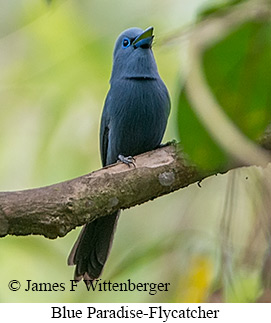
{"x": 238, "y": 72}
{"x": 241, "y": 78}
{"x": 55, "y": 64}
{"x": 217, "y": 8}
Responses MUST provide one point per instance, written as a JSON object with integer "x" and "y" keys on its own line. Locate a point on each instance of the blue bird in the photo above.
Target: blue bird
{"x": 133, "y": 121}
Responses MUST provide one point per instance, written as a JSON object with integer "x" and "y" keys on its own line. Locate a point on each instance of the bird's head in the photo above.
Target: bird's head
{"x": 133, "y": 56}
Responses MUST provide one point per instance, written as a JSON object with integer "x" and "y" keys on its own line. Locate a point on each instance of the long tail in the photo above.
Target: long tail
{"x": 92, "y": 247}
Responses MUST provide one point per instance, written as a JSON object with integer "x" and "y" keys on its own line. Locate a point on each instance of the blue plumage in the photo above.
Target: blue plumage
{"x": 134, "y": 119}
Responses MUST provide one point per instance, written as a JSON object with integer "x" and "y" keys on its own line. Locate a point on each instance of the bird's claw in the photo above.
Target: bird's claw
{"x": 129, "y": 160}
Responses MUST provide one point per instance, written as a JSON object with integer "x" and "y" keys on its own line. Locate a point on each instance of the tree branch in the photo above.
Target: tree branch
{"x": 54, "y": 210}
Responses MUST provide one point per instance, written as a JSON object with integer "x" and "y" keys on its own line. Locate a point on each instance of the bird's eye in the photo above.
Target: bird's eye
{"x": 126, "y": 43}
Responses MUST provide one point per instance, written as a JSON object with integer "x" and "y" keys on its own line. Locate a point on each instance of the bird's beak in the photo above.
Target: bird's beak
{"x": 144, "y": 40}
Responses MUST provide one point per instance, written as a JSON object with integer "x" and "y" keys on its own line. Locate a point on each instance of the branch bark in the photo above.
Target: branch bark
{"x": 54, "y": 210}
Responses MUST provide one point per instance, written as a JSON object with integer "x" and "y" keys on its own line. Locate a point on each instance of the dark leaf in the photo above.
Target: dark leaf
{"x": 238, "y": 72}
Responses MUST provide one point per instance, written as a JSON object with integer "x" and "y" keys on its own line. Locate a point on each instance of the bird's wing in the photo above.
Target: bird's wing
{"x": 104, "y": 131}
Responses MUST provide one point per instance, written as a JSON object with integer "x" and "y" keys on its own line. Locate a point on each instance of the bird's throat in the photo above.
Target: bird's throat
{"x": 140, "y": 78}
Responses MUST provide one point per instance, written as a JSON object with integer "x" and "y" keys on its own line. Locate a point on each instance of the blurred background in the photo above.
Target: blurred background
{"x": 55, "y": 65}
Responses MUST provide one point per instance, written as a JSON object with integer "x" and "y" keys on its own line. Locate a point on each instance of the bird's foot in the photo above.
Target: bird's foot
{"x": 129, "y": 160}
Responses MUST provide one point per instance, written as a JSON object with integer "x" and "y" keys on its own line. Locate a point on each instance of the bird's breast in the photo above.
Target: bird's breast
{"x": 138, "y": 116}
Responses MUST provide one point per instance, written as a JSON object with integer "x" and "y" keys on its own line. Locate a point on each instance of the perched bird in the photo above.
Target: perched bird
{"x": 133, "y": 121}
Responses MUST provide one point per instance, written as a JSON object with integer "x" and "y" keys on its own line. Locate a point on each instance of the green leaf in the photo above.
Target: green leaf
{"x": 195, "y": 139}
{"x": 238, "y": 72}
{"x": 217, "y": 7}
